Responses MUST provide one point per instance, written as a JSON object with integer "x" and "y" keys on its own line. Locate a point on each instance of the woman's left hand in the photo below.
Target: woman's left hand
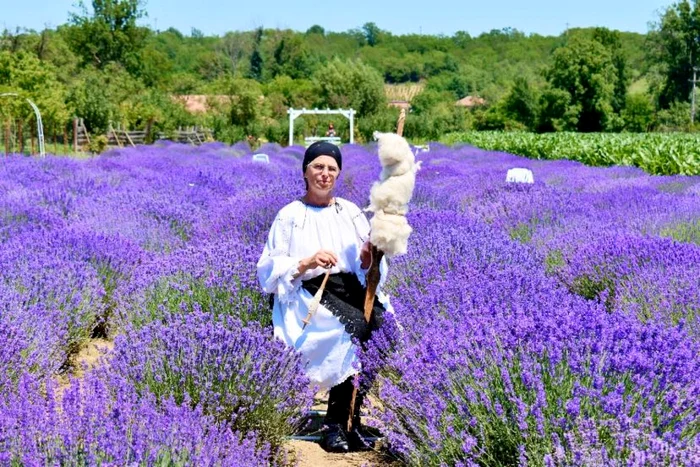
{"x": 366, "y": 255}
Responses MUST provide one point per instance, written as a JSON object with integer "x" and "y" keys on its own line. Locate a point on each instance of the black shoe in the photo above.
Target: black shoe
{"x": 334, "y": 439}
{"x": 357, "y": 441}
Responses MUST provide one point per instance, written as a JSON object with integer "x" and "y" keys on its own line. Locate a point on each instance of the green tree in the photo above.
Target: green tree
{"x": 521, "y": 103}
{"x": 350, "y": 84}
{"x": 585, "y": 70}
{"x": 556, "y": 111}
{"x": 256, "y": 61}
{"x": 675, "y": 48}
{"x": 256, "y": 65}
{"x": 98, "y": 96}
{"x": 638, "y": 114}
{"x": 675, "y": 118}
{"x": 469, "y": 80}
{"x": 109, "y": 33}
{"x": 235, "y": 46}
{"x": 429, "y": 99}
{"x": 297, "y": 93}
{"x": 26, "y": 75}
{"x": 373, "y": 35}
{"x": 316, "y": 29}
{"x": 242, "y": 112}
{"x": 436, "y": 62}
{"x": 611, "y": 41}
{"x": 292, "y": 57}
{"x": 402, "y": 69}
{"x": 155, "y": 110}
{"x": 156, "y": 69}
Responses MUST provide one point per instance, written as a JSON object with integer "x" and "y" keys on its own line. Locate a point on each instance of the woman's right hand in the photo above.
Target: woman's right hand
{"x": 322, "y": 258}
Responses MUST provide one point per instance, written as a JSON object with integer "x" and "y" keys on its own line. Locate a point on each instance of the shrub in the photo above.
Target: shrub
{"x": 236, "y": 374}
{"x": 98, "y": 144}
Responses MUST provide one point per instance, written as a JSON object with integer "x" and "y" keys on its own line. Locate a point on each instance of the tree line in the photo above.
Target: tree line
{"x": 106, "y": 68}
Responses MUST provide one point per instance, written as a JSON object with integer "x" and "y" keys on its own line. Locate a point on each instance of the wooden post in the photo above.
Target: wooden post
{"x": 126, "y": 133}
{"x": 20, "y": 137}
{"x": 116, "y": 136}
{"x": 149, "y": 127}
{"x": 65, "y": 138}
{"x": 7, "y": 137}
{"x": 87, "y": 135}
{"x": 75, "y": 134}
{"x": 31, "y": 140}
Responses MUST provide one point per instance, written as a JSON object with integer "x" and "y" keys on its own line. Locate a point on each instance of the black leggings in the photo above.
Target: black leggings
{"x": 339, "y": 401}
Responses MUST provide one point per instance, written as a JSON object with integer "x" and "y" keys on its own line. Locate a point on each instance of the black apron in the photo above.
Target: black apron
{"x": 344, "y": 296}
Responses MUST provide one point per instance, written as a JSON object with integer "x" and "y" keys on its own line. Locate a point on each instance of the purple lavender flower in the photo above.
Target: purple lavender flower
{"x": 555, "y": 323}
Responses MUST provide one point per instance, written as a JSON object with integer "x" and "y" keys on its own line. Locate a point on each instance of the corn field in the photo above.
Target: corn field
{"x": 655, "y": 153}
{"x": 402, "y": 92}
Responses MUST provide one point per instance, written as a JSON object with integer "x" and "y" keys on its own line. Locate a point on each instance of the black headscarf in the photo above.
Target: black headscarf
{"x": 322, "y": 148}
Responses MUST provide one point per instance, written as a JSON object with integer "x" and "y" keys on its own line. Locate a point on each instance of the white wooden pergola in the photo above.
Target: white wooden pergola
{"x": 347, "y": 113}
{"x": 39, "y": 124}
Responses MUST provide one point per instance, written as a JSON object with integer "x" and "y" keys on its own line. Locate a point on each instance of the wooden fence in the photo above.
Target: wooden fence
{"x": 20, "y": 137}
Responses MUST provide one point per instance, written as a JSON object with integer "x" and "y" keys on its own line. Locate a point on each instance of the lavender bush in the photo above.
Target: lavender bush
{"x": 211, "y": 277}
{"x": 92, "y": 423}
{"x": 235, "y": 374}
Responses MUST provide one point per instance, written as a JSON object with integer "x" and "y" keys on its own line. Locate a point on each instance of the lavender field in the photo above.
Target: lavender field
{"x": 546, "y": 324}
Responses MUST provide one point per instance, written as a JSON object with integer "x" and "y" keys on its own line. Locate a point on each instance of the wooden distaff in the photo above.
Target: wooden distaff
{"x": 372, "y": 281}
{"x": 400, "y": 122}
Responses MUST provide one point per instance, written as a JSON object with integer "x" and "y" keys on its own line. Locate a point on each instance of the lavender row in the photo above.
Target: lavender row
{"x": 98, "y": 423}
{"x": 497, "y": 363}
{"x": 550, "y": 324}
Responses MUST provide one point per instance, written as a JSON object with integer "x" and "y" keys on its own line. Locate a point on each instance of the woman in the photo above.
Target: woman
{"x": 309, "y": 236}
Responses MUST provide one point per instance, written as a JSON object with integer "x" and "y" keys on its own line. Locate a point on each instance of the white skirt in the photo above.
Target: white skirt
{"x": 327, "y": 349}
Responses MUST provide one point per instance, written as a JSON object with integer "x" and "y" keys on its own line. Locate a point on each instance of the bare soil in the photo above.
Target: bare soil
{"x": 310, "y": 454}
{"x": 88, "y": 357}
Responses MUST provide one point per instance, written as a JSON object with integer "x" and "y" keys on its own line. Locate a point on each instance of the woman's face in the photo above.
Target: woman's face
{"x": 321, "y": 174}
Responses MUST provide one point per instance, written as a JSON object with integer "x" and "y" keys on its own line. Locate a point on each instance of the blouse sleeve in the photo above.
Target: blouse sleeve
{"x": 276, "y": 268}
{"x": 362, "y": 228}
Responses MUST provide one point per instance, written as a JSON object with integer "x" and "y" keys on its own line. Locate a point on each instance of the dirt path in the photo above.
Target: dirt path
{"x": 88, "y": 357}
{"x": 312, "y": 455}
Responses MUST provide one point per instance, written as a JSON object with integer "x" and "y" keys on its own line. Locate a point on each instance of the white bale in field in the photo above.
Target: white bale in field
{"x": 420, "y": 148}
{"x": 520, "y": 175}
{"x": 261, "y": 158}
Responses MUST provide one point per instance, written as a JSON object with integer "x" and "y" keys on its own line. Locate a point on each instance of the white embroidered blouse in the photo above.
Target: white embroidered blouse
{"x": 299, "y": 231}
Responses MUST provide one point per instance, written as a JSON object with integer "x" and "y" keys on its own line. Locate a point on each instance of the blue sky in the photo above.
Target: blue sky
{"x": 216, "y": 17}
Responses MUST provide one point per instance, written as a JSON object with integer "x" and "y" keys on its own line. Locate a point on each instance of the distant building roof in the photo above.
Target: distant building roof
{"x": 471, "y": 101}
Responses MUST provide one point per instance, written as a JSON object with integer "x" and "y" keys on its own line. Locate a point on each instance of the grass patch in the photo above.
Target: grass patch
{"x": 685, "y": 232}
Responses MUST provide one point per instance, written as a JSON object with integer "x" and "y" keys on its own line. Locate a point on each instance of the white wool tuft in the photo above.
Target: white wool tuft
{"x": 394, "y": 189}
{"x": 395, "y": 155}
{"x": 389, "y": 197}
{"x": 390, "y": 233}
